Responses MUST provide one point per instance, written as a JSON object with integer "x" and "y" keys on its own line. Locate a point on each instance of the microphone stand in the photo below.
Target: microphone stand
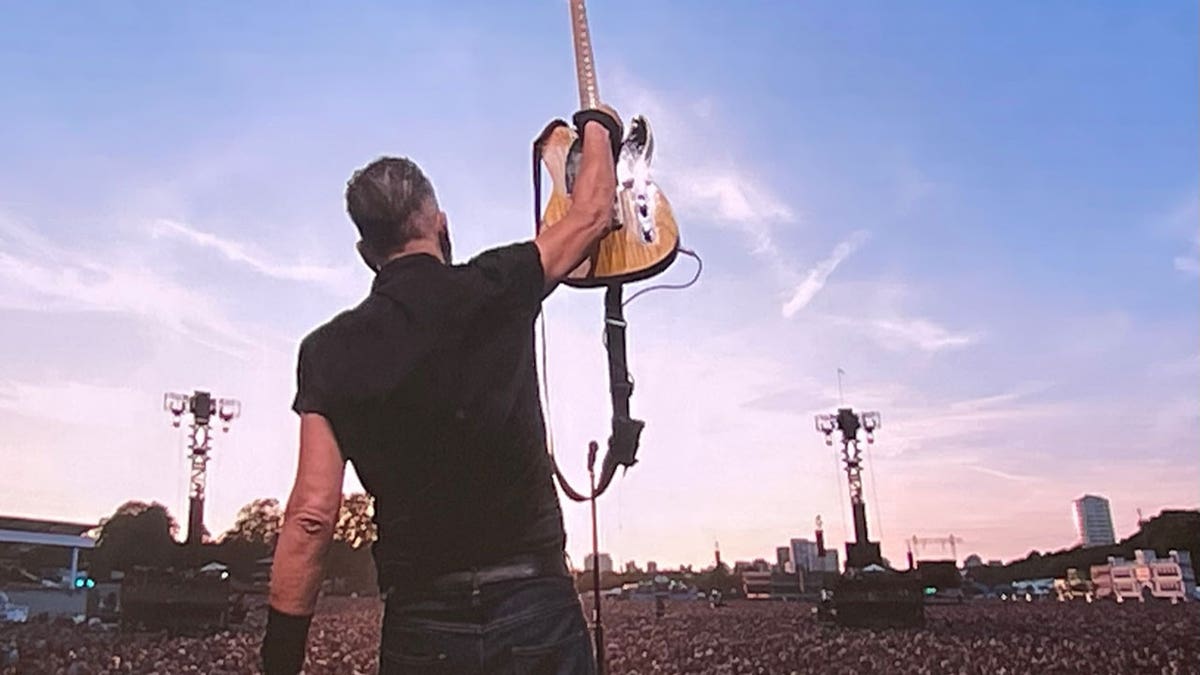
{"x": 598, "y": 626}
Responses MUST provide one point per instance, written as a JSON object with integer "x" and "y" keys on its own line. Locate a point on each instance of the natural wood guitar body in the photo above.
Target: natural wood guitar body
{"x": 648, "y": 238}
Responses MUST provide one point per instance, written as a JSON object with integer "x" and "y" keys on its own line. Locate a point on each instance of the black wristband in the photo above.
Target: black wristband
{"x": 615, "y": 132}
{"x": 283, "y": 644}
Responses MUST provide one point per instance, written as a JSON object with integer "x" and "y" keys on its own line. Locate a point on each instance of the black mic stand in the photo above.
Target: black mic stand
{"x": 597, "y": 625}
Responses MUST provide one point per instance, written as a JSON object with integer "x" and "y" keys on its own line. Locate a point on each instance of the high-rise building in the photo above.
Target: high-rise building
{"x": 605, "y": 562}
{"x": 651, "y": 567}
{"x": 804, "y": 554}
{"x": 1094, "y": 520}
{"x": 805, "y": 557}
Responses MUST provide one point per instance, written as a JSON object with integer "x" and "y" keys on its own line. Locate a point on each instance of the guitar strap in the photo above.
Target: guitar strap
{"x": 537, "y": 171}
{"x": 626, "y": 431}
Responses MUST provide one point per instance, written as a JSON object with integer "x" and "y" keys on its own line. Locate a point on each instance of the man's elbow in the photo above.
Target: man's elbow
{"x": 312, "y": 523}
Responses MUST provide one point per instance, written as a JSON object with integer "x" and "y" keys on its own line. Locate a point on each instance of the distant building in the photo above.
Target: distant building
{"x": 973, "y": 560}
{"x": 805, "y": 557}
{"x": 606, "y": 564}
{"x": 632, "y": 568}
{"x": 804, "y": 553}
{"x": 48, "y": 558}
{"x": 651, "y": 567}
{"x": 1094, "y": 520}
{"x": 1145, "y": 577}
{"x": 783, "y": 560}
{"x": 756, "y": 585}
{"x": 1184, "y": 558}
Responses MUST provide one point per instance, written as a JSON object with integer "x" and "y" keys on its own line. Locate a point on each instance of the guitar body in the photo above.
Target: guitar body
{"x": 647, "y": 239}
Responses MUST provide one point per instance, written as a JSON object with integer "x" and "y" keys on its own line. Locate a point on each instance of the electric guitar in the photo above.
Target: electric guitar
{"x": 647, "y": 239}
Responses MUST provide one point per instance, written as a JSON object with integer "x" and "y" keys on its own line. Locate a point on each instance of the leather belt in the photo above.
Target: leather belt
{"x": 528, "y": 566}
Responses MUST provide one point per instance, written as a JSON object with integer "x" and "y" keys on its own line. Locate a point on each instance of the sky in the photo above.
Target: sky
{"x": 986, "y": 214}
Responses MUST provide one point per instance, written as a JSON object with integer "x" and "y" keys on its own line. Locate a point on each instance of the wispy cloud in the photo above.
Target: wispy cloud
{"x": 1020, "y": 478}
{"x": 729, "y": 196}
{"x": 36, "y": 275}
{"x": 899, "y": 333}
{"x": 701, "y": 178}
{"x": 75, "y": 403}
{"x": 713, "y": 187}
{"x": 815, "y": 280}
{"x": 920, "y": 333}
{"x": 242, "y": 253}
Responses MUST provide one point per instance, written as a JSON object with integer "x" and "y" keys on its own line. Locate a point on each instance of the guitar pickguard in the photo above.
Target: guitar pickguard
{"x": 636, "y": 191}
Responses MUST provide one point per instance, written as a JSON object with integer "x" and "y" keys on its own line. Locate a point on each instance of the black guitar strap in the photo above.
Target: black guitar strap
{"x": 626, "y": 431}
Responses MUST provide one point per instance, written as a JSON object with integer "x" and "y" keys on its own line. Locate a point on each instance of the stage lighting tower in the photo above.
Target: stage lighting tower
{"x": 202, "y": 408}
{"x": 861, "y": 552}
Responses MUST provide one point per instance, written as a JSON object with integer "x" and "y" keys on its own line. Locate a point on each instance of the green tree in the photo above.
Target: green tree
{"x": 355, "y": 525}
{"x": 258, "y": 522}
{"x": 137, "y": 534}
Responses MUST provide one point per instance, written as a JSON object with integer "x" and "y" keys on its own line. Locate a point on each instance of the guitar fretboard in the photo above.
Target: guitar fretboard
{"x": 585, "y": 65}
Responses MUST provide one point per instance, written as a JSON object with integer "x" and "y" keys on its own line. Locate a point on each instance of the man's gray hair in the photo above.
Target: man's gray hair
{"x": 381, "y": 199}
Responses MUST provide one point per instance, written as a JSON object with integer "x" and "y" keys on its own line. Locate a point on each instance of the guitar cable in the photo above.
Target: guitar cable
{"x": 672, "y": 287}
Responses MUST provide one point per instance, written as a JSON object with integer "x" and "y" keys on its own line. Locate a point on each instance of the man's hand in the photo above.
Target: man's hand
{"x": 608, "y": 118}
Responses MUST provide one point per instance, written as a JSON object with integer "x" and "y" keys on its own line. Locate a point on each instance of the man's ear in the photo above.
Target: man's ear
{"x": 368, "y": 256}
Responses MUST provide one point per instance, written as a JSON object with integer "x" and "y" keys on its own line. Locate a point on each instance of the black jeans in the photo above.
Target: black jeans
{"x": 519, "y": 627}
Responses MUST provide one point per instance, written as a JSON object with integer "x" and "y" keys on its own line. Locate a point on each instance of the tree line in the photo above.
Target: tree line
{"x": 1177, "y": 530}
{"x": 141, "y": 534}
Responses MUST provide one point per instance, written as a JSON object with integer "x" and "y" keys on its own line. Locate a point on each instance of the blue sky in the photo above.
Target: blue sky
{"x": 986, "y": 214}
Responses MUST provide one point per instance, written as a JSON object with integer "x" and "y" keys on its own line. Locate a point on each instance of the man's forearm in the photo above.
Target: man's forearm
{"x": 299, "y": 564}
{"x": 590, "y": 215}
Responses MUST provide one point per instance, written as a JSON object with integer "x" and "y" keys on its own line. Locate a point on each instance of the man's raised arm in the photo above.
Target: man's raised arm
{"x": 565, "y": 245}
{"x": 299, "y": 564}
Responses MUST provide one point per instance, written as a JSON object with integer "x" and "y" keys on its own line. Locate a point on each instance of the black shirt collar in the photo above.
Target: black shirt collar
{"x": 396, "y": 266}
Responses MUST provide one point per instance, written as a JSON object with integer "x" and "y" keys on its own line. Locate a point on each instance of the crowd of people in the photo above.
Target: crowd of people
{"x": 690, "y": 637}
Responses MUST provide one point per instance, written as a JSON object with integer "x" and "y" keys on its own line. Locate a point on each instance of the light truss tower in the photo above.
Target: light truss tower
{"x": 861, "y": 552}
{"x": 202, "y": 407}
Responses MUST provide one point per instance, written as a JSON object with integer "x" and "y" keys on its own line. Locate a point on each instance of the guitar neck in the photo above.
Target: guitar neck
{"x": 585, "y": 64}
